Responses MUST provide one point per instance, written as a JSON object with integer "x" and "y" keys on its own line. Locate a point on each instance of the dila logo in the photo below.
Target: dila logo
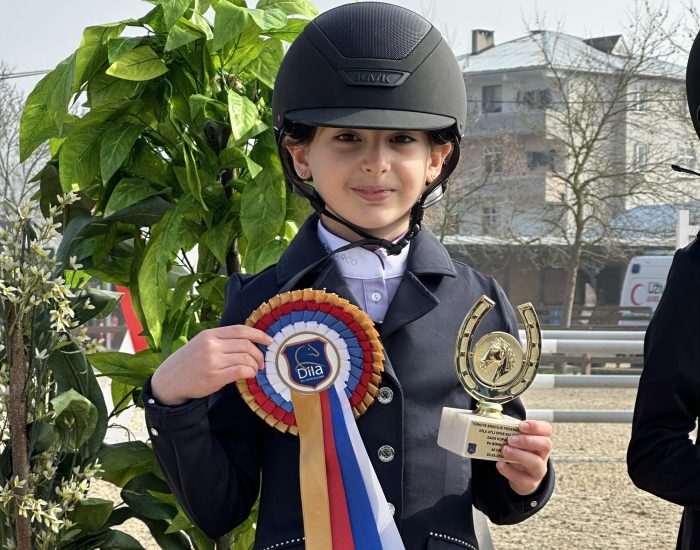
{"x": 308, "y": 362}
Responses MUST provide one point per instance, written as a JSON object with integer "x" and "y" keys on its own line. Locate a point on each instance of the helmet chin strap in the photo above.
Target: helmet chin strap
{"x": 367, "y": 239}
{"x": 391, "y": 247}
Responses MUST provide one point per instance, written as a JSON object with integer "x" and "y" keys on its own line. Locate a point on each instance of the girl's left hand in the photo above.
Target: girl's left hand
{"x": 531, "y": 450}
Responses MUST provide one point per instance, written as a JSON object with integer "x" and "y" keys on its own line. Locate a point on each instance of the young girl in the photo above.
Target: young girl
{"x": 369, "y": 106}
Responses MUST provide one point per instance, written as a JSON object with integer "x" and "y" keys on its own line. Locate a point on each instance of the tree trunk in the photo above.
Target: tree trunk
{"x": 18, "y": 423}
{"x": 571, "y": 280}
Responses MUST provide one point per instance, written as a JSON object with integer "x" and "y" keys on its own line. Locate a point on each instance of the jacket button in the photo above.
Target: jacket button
{"x": 154, "y": 431}
{"x": 385, "y": 395}
{"x": 386, "y": 453}
{"x": 392, "y": 508}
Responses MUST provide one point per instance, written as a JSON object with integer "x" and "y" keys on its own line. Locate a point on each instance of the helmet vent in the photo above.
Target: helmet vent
{"x": 373, "y": 30}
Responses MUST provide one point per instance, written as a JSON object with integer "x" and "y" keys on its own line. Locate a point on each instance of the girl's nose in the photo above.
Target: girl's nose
{"x": 376, "y": 160}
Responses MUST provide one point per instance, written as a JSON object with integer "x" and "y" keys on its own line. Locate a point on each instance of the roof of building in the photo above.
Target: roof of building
{"x": 543, "y": 48}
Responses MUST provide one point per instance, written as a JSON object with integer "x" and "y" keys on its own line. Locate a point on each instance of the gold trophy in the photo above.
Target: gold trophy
{"x": 493, "y": 371}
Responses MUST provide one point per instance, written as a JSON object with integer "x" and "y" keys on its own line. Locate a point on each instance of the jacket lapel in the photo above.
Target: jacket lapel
{"x": 413, "y": 299}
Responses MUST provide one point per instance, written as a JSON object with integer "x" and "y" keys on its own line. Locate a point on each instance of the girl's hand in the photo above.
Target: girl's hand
{"x": 531, "y": 449}
{"x": 208, "y": 362}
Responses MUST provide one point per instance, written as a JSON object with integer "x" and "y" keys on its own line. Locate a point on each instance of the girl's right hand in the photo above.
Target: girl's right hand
{"x": 212, "y": 359}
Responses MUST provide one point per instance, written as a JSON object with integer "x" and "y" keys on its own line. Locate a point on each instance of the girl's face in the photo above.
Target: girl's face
{"x": 370, "y": 178}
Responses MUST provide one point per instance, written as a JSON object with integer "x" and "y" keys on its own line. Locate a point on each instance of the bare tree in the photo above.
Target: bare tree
{"x": 15, "y": 176}
{"x": 610, "y": 119}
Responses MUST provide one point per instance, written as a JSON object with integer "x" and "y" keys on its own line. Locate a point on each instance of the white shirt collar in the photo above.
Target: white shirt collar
{"x": 360, "y": 263}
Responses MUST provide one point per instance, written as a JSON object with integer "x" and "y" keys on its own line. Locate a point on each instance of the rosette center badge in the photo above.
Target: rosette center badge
{"x": 310, "y": 363}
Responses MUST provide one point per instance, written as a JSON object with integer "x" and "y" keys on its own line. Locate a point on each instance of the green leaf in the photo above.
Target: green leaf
{"x": 92, "y": 53}
{"x": 76, "y": 417}
{"x": 41, "y": 436}
{"x": 219, "y": 237}
{"x": 291, "y": 7}
{"x": 127, "y": 192}
{"x": 199, "y": 22}
{"x": 243, "y": 114}
{"x": 139, "y": 64}
{"x": 46, "y": 108}
{"x": 142, "y": 214}
{"x": 103, "y": 302}
{"x": 92, "y": 513}
{"x": 122, "y": 462}
{"x": 263, "y": 208}
{"x": 213, "y": 290}
{"x": 233, "y": 157}
{"x": 110, "y": 539}
{"x": 125, "y": 367}
{"x": 116, "y": 146}
{"x": 136, "y": 493}
{"x": 118, "y": 47}
{"x": 103, "y": 89}
{"x": 265, "y": 66}
{"x": 290, "y": 31}
{"x": 79, "y": 157}
{"x": 153, "y": 282}
{"x": 49, "y": 188}
{"x": 211, "y": 108}
{"x": 122, "y": 396}
{"x": 72, "y": 371}
{"x": 180, "y": 523}
{"x": 180, "y": 35}
{"x": 172, "y": 10}
{"x": 258, "y": 258}
{"x": 229, "y": 22}
{"x": 268, "y": 18}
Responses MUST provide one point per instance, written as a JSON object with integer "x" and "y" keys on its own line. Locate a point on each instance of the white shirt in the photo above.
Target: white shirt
{"x": 372, "y": 275}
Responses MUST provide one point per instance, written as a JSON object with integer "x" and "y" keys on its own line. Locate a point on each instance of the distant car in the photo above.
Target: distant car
{"x": 644, "y": 283}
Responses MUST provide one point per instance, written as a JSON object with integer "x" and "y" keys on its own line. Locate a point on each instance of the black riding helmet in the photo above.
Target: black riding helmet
{"x": 371, "y": 65}
{"x": 692, "y": 83}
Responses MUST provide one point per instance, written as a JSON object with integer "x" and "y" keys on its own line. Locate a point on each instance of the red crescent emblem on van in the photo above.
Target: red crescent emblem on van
{"x": 634, "y": 289}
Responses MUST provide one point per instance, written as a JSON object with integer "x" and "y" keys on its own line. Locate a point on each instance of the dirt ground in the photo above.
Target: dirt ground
{"x": 594, "y": 504}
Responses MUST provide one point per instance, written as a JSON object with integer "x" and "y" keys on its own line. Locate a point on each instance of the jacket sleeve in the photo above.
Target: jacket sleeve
{"x": 492, "y": 493}
{"x": 661, "y": 458}
{"x": 209, "y": 449}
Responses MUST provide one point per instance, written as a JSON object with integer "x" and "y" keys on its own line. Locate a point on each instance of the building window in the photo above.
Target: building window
{"x": 640, "y": 98}
{"x": 490, "y": 220}
{"x": 686, "y": 158}
{"x": 493, "y": 162}
{"x": 641, "y": 154}
{"x": 535, "y": 159}
{"x": 535, "y": 99}
{"x": 491, "y": 99}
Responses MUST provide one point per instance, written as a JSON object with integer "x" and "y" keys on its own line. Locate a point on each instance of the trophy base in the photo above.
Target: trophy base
{"x": 474, "y": 436}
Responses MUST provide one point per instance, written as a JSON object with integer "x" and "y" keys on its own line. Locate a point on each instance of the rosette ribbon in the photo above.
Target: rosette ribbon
{"x": 321, "y": 372}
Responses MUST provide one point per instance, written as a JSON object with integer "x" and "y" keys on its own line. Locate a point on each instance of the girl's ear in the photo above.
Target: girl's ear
{"x": 438, "y": 154}
{"x": 300, "y": 158}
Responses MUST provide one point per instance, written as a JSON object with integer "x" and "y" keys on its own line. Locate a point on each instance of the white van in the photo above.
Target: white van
{"x": 644, "y": 282}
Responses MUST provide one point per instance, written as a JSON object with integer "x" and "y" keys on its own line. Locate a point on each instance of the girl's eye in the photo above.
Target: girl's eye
{"x": 403, "y": 138}
{"x": 346, "y": 137}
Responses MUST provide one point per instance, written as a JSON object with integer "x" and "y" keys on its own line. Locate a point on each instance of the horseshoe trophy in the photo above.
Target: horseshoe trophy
{"x": 493, "y": 371}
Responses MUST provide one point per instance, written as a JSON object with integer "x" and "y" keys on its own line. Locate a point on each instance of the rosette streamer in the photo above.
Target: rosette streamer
{"x": 321, "y": 372}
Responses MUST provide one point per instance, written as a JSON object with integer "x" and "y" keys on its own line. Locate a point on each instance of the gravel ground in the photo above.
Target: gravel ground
{"x": 594, "y": 504}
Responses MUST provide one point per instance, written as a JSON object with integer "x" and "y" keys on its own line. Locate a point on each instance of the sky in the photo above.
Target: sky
{"x": 38, "y": 34}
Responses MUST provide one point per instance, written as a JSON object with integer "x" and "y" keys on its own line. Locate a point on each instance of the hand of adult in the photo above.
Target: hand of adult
{"x": 531, "y": 450}
{"x": 209, "y": 361}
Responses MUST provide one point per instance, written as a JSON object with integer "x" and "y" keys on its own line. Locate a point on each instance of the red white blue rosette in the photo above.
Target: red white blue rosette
{"x": 304, "y": 323}
{"x": 321, "y": 372}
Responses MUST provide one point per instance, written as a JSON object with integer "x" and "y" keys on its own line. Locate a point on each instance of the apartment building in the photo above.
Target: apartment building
{"x": 550, "y": 115}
